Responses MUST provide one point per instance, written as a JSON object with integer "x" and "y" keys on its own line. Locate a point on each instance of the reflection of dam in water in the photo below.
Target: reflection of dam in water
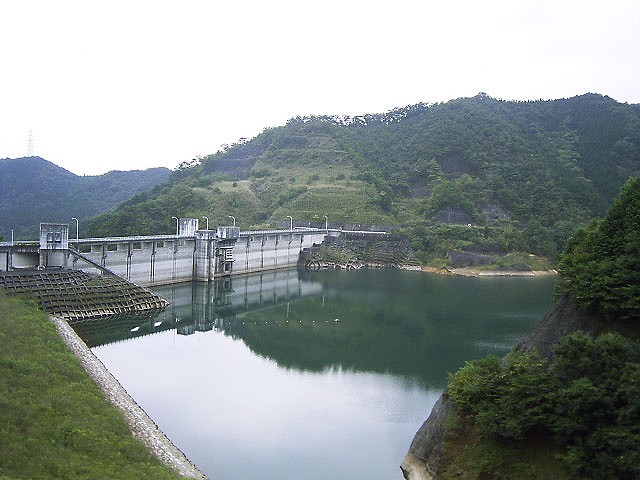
{"x": 200, "y": 307}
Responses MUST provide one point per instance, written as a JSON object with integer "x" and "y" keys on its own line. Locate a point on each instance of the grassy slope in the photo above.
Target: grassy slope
{"x": 311, "y": 181}
{"x": 54, "y": 421}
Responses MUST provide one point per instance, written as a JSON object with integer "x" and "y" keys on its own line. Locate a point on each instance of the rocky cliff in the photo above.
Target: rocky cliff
{"x": 423, "y": 458}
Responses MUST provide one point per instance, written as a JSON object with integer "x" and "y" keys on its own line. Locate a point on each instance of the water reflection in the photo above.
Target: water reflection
{"x": 406, "y": 323}
{"x": 323, "y": 375}
{"x": 201, "y": 307}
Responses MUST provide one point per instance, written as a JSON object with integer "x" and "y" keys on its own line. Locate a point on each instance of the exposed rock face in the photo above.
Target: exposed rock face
{"x": 423, "y": 458}
{"x": 452, "y": 216}
{"x": 564, "y": 318}
{"x": 567, "y": 317}
{"x": 495, "y": 212}
{"x": 381, "y": 251}
{"x": 467, "y": 259}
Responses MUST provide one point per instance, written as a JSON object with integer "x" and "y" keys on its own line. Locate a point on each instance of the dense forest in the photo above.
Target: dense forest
{"x": 477, "y": 175}
{"x": 33, "y": 190}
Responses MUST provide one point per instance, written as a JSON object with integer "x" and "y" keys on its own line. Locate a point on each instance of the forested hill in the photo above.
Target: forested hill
{"x": 565, "y": 403}
{"x": 34, "y": 190}
{"x": 524, "y": 175}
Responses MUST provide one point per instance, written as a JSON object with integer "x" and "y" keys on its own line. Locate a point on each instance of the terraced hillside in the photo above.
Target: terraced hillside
{"x": 471, "y": 175}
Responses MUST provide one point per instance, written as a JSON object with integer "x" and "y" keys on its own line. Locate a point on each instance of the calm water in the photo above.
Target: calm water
{"x": 323, "y": 375}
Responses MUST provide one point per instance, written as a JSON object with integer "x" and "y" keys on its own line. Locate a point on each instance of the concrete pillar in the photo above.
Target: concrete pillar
{"x": 203, "y": 256}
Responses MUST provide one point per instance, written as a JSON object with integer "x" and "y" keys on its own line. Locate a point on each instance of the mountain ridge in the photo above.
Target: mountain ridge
{"x": 34, "y": 190}
{"x": 523, "y": 174}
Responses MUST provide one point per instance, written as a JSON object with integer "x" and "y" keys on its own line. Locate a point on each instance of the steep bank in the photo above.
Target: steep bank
{"x": 567, "y": 317}
{"x": 428, "y": 454}
{"x": 423, "y": 459}
{"x": 76, "y": 295}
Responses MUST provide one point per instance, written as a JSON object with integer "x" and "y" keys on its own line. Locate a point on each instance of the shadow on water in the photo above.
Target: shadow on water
{"x": 385, "y": 321}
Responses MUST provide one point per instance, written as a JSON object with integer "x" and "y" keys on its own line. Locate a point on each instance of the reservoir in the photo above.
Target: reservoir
{"x": 316, "y": 375}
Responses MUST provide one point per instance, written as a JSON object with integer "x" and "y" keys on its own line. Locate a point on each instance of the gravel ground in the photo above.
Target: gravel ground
{"x": 142, "y": 426}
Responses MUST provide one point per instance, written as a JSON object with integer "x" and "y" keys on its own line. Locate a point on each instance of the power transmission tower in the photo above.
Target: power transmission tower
{"x": 30, "y": 144}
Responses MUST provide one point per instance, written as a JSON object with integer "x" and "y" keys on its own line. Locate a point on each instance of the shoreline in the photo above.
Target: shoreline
{"x": 142, "y": 426}
{"x": 474, "y": 272}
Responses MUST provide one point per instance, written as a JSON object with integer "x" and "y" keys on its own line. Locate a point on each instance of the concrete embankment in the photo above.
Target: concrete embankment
{"x": 142, "y": 426}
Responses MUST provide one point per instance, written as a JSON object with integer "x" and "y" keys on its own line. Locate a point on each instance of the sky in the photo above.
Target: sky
{"x": 94, "y": 86}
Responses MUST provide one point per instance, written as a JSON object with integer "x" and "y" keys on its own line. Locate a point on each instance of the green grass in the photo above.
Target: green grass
{"x": 54, "y": 421}
{"x": 346, "y": 205}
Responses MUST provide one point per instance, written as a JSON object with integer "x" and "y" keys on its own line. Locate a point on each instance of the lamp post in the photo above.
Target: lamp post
{"x": 234, "y": 219}
{"x": 326, "y": 223}
{"x": 176, "y": 219}
{"x": 207, "y": 219}
{"x": 290, "y": 222}
{"x": 12, "y": 237}
{"x": 77, "y": 228}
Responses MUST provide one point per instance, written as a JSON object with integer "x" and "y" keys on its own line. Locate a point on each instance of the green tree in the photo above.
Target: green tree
{"x": 596, "y": 405}
{"x": 587, "y": 398}
{"x": 506, "y": 399}
{"x": 600, "y": 267}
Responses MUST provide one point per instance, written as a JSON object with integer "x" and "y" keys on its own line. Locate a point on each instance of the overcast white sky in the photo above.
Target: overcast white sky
{"x": 124, "y": 85}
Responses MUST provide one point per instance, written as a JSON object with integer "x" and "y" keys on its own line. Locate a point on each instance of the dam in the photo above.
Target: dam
{"x": 191, "y": 254}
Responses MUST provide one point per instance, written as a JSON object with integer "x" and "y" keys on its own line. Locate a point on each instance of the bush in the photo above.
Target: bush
{"x": 472, "y": 387}
{"x": 506, "y": 400}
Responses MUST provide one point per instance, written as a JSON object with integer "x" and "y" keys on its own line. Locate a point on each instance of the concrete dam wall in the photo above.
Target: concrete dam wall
{"x": 204, "y": 256}
{"x": 189, "y": 255}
